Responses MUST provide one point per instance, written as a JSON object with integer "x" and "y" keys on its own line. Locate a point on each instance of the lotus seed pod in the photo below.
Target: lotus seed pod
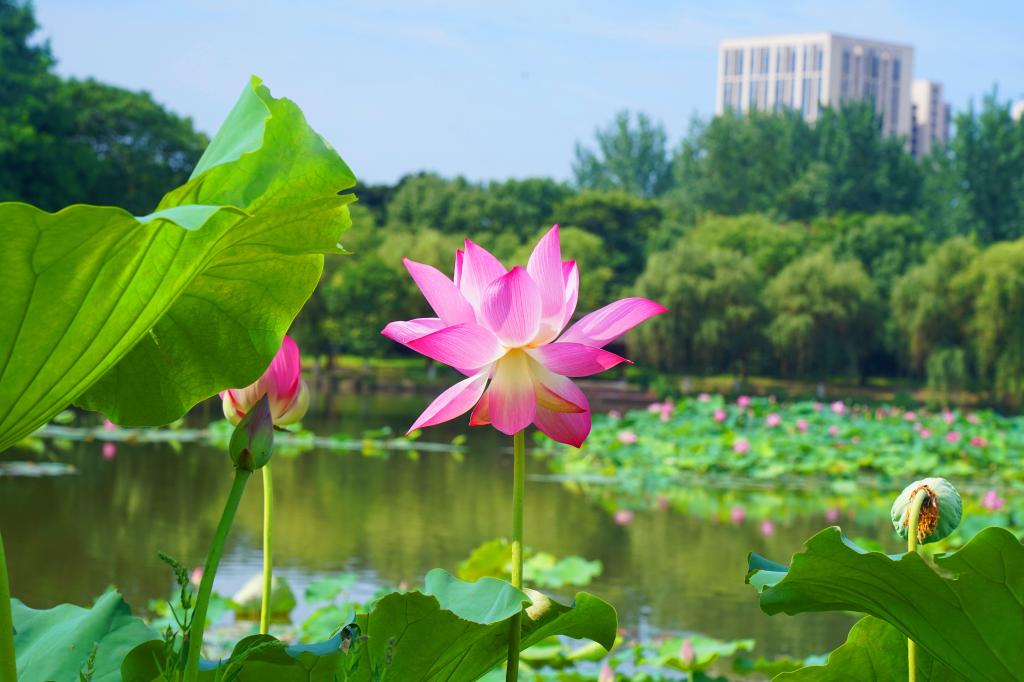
{"x": 940, "y": 512}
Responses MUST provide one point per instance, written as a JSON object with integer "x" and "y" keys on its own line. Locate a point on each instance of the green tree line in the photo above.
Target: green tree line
{"x": 779, "y": 247}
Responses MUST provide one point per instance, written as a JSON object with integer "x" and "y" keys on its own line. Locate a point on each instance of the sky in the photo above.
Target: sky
{"x": 491, "y": 90}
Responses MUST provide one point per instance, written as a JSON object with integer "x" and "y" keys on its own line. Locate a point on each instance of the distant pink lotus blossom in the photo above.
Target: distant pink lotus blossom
{"x": 767, "y": 527}
{"x": 703, "y": 397}
{"x": 654, "y": 407}
{"x": 197, "y": 575}
{"x": 772, "y": 420}
{"x": 624, "y": 517}
{"x": 948, "y": 417}
{"x": 992, "y": 502}
{"x": 720, "y": 415}
{"x": 817, "y": 406}
{"x": 503, "y": 329}
{"x": 953, "y": 437}
{"x": 978, "y": 442}
{"x": 109, "y": 451}
{"x": 614, "y": 414}
{"x": 839, "y": 407}
{"x": 627, "y": 437}
{"x": 973, "y": 418}
{"x": 737, "y": 514}
{"x": 686, "y": 653}
{"x": 607, "y": 673}
{"x": 832, "y": 514}
{"x": 741, "y": 446}
{"x": 833, "y": 430}
{"x": 743, "y": 401}
{"x": 801, "y": 425}
{"x": 282, "y": 383}
{"x": 910, "y": 416}
{"x": 925, "y": 433}
{"x": 109, "y": 425}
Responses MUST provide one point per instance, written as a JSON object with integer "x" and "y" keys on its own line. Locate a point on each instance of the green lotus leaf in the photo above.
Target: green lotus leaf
{"x": 874, "y": 650}
{"x": 142, "y": 317}
{"x": 968, "y": 615}
{"x": 54, "y": 644}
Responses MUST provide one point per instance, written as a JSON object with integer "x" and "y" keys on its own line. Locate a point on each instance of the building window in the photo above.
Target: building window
{"x": 896, "y": 68}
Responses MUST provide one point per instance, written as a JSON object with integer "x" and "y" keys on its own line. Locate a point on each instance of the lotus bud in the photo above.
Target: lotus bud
{"x": 281, "y": 382}
{"x": 252, "y": 442}
{"x": 940, "y": 512}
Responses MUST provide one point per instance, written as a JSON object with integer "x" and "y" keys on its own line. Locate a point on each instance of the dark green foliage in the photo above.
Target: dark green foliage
{"x": 628, "y": 158}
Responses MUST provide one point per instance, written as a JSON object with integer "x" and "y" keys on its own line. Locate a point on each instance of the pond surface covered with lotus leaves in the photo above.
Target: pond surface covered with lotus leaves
{"x": 673, "y": 560}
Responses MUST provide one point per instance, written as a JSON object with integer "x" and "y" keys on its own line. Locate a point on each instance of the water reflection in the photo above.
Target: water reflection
{"x": 391, "y": 519}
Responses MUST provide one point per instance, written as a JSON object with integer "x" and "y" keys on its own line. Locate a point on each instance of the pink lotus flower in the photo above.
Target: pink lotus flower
{"x": 817, "y": 406}
{"x": 767, "y": 528}
{"x": 686, "y": 653}
{"x": 925, "y": 433}
{"x": 109, "y": 451}
{"x": 627, "y": 437}
{"x": 737, "y": 514}
{"x": 503, "y": 330}
{"x": 910, "y": 416}
{"x": 666, "y": 411}
{"x": 614, "y": 414}
{"x": 109, "y": 425}
{"x": 772, "y": 420}
{"x": 978, "y": 441}
{"x": 973, "y": 418}
{"x": 703, "y": 397}
{"x": 992, "y": 501}
{"x": 623, "y": 517}
{"x": 801, "y": 425}
{"x": 839, "y": 407}
{"x": 832, "y": 514}
{"x": 281, "y": 382}
{"x": 948, "y": 417}
{"x": 607, "y": 674}
{"x": 953, "y": 437}
{"x": 833, "y": 430}
{"x": 743, "y": 401}
{"x": 196, "y": 576}
{"x": 720, "y": 415}
{"x": 741, "y": 446}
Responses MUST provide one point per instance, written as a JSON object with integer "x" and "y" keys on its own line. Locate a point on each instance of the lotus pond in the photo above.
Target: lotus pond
{"x": 671, "y": 547}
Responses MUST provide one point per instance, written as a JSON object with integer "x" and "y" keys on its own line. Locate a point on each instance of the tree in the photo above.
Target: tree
{"x": 131, "y": 149}
{"x": 886, "y": 245}
{"x": 929, "y": 313}
{"x": 824, "y": 314}
{"x": 989, "y": 160}
{"x": 770, "y": 245}
{"x": 992, "y": 287}
{"x": 624, "y": 221}
{"x": 714, "y": 317}
{"x": 868, "y": 172}
{"x": 628, "y": 157}
{"x": 744, "y": 163}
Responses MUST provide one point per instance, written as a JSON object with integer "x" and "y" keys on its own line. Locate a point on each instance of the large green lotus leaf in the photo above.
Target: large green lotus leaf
{"x": 457, "y": 632}
{"x": 426, "y": 642}
{"x": 968, "y": 614}
{"x": 54, "y": 644}
{"x": 141, "y": 318}
{"x": 874, "y": 650}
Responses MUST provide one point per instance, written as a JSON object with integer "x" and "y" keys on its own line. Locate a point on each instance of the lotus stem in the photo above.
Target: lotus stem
{"x": 8, "y": 667}
{"x": 195, "y": 644}
{"x": 268, "y": 556}
{"x": 915, "y": 515}
{"x": 518, "y": 489}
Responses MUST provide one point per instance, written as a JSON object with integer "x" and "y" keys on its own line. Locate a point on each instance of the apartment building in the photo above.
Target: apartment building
{"x": 931, "y": 117}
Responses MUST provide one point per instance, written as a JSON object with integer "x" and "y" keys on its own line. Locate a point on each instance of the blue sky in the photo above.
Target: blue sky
{"x": 486, "y": 89}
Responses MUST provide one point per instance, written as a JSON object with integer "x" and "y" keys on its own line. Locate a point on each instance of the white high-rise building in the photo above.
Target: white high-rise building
{"x": 806, "y": 71}
{"x": 931, "y": 117}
